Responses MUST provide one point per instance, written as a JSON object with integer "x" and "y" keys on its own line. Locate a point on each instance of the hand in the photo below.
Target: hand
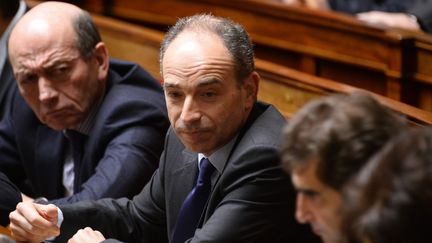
{"x": 292, "y": 2}
{"x": 32, "y": 222}
{"x": 315, "y": 4}
{"x": 394, "y": 20}
{"x": 87, "y": 235}
{"x": 26, "y": 198}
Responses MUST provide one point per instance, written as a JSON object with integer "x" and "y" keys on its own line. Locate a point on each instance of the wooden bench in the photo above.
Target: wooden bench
{"x": 5, "y": 231}
{"x": 289, "y": 90}
{"x": 286, "y": 88}
{"x": 131, "y": 42}
{"x": 390, "y": 62}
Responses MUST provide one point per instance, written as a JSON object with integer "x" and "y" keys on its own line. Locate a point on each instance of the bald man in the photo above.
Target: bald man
{"x": 81, "y": 126}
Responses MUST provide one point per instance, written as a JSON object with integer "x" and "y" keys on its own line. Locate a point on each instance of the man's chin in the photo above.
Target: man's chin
{"x": 327, "y": 238}
{"x": 59, "y": 126}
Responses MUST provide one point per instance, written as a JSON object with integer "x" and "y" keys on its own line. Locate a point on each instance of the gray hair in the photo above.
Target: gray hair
{"x": 87, "y": 34}
{"x": 233, "y": 35}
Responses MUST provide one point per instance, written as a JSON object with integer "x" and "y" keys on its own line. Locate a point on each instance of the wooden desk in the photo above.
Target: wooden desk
{"x": 5, "y": 231}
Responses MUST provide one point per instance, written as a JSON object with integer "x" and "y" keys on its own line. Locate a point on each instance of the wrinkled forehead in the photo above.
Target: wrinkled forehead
{"x": 43, "y": 36}
{"x": 46, "y": 20}
{"x": 194, "y": 54}
{"x": 192, "y": 45}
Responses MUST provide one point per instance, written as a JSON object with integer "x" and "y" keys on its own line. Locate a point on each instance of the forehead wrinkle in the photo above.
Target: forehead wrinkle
{"x": 48, "y": 59}
{"x": 202, "y": 83}
{"x": 215, "y": 66}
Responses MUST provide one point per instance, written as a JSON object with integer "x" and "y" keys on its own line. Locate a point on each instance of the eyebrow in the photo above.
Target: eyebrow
{"x": 205, "y": 82}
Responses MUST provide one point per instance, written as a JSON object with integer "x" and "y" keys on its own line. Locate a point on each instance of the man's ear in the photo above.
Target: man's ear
{"x": 102, "y": 59}
{"x": 250, "y": 85}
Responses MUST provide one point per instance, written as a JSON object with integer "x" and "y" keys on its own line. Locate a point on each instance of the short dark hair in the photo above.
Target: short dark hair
{"x": 233, "y": 35}
{"x": 390, "y": 200}
{"x": 9, "y": 8}
{"x": 87, "y": 34}
{"x": 340, "y": 132}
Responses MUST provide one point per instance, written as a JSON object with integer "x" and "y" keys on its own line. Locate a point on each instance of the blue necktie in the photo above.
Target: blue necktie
{"x": 194, "y": 204}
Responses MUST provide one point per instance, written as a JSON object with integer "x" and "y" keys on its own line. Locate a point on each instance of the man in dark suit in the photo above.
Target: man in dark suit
{"x": 82, "y": 126}
{"x": 210, "y": 89}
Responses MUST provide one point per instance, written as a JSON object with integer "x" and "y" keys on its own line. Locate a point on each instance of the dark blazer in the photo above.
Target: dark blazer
{"x": 121, "y": 152}
{"x": 10, "y": 197}
{"x": 422, "y": 9}
{"x": 252, "y": 200}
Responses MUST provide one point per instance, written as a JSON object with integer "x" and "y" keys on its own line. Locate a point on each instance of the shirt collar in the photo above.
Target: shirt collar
{"x": 86, "y": 126}
{"x": 219, "y": 158}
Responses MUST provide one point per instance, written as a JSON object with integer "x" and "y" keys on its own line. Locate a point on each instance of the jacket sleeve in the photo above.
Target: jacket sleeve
{"x": 142, "y": 219}
{"x": 11, "y": 196}
{"x": 131, "y": 154}
{"x": 423, "y": 11}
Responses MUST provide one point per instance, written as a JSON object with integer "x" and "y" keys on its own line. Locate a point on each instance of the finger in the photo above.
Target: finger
{"x": 98, "y": 233}
{"x": 19, "y": 226}
{"x": 20, "y": 235}
{"x": 78, "y": 236}
{"x": 35, "y": 223}
{"x": 49, "y": 212}
{"x": 87, "y": 235}
{"x": 90, "y": 231}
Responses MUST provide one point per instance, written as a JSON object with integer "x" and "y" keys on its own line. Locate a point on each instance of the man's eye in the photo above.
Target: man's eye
{"x": 174, "y": 95}
{"x": 310, "y": 194}
{"x": 30, "y": 78}
{"x": 60, "y": 71}
{"x": 208, "y": 94}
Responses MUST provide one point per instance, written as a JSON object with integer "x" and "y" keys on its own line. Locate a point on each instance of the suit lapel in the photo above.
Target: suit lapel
{"x": 181, "y": 179}
{"x": 188, "y": 172}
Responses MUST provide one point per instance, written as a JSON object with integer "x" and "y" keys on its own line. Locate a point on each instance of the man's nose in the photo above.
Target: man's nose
{"x": 190, "y": 111}
{"x": 303, "y": 213}
{"x": 46, "y": 90}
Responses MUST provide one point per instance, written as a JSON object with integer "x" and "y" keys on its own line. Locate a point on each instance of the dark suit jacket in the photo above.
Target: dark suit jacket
{"x": 252, "y": 200}
{"x": 422, "y": 9}
{"x": 121, "y": 153}
{"x": 10, "y": 197}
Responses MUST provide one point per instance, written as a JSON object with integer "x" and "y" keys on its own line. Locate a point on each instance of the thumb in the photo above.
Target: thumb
{"x": 49, "y": 212}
